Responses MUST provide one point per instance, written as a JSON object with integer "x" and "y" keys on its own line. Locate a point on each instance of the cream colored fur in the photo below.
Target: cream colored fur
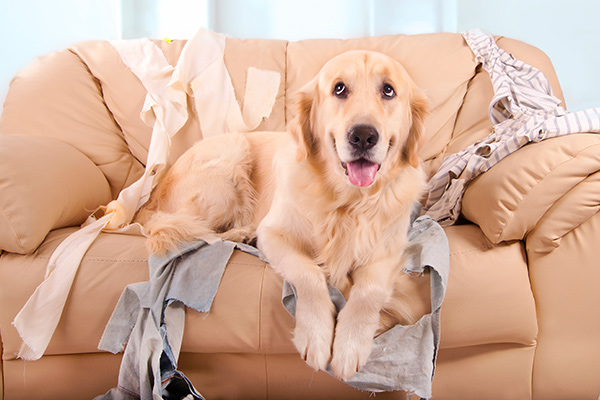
{"x": 312, "y": 223}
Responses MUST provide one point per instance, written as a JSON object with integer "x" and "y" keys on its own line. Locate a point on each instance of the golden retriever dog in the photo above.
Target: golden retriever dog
{"x": 329, "y": 202}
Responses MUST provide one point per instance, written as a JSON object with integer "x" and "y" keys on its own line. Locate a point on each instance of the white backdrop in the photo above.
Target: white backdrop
{"x": 566, "y": 30}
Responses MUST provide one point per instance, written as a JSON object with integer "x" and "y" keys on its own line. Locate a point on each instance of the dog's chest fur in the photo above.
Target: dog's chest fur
{"x": 350, "y": 233}
{"x": 340, "y": 226}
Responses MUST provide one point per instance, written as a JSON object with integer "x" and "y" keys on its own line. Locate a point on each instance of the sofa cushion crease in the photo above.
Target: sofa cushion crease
{"x": 567, "y": 344}
{"x": 115, "y": 79}
{"x": 560, "y": 219}
{"x": 481, "y": 270}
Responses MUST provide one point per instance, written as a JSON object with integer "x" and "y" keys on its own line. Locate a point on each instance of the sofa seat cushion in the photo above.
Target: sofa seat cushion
{"x": 113, "y": 262}
{"x": 246, "y": 315}
{"x": 489, "y": 298}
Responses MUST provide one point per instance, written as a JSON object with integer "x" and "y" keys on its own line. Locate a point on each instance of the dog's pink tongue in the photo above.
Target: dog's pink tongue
{"x": 362, "y": 172}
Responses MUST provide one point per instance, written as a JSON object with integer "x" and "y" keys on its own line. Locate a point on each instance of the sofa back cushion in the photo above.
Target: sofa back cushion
{"x": 86, "y": 96}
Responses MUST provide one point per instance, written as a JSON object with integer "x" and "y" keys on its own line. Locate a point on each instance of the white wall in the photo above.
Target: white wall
{"x": 567, "y": 31}
{"x": 306, "y": 19}
{"x": 30, "y": 28}
{"x": 159, "y": 19}
{"x": 290, "y": 19}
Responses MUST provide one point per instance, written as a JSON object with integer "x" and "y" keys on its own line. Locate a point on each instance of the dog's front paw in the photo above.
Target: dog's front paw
{"x": 351, "y": 350}
{"x": 313, "y": 337}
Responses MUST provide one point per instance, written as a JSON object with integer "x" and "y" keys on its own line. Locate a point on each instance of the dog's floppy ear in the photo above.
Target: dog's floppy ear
{"x": 300, "y": 127}
{"x": 416, "y": 136}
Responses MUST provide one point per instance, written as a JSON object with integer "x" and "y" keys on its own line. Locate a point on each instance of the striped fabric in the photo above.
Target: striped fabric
{"x": 523, "y": 110}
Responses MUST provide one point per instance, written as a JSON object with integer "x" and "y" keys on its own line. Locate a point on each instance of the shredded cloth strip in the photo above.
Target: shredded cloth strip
{"x": 523, "y": 110}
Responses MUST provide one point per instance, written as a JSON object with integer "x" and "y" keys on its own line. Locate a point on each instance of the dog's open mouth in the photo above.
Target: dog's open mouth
{"x": 361, "y": 172}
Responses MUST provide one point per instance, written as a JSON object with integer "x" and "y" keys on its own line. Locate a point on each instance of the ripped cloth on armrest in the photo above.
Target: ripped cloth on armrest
{"x": 523, "y": 110}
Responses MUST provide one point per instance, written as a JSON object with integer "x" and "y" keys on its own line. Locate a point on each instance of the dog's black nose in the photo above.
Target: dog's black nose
{"x": 363, "y": 137}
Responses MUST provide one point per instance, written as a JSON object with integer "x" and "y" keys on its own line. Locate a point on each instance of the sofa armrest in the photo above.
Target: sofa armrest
{"x": 541, "y": 192}
{"x": 44, "y": 184}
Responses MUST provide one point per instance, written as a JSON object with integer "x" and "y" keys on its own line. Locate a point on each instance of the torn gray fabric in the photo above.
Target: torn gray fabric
{"x": 404, "y": 357}
{"x": 149, "y": 319}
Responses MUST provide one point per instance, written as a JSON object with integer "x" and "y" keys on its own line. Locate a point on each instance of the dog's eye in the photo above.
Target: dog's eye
{"x": 388, "y": 92}
{"x": 340, "y": 90}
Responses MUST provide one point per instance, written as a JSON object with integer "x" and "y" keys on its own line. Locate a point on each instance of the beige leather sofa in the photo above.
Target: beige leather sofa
{"x": 521, "y": 317}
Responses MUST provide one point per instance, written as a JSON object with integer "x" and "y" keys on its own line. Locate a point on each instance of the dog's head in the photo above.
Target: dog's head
{"x": 362, "y": 116}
